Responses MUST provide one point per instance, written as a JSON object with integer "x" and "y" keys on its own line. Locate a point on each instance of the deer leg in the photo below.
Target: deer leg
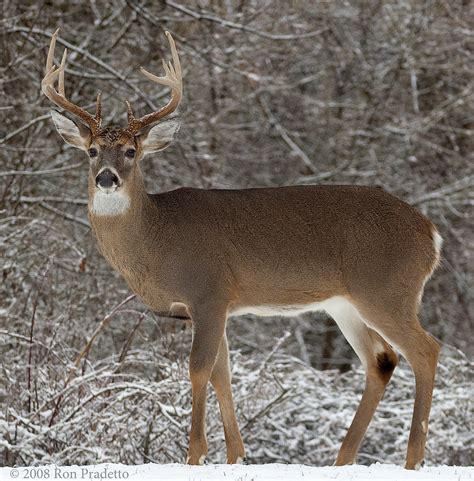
{"x": 421, "y": 351}
{"x": 423, "y": 358}
{"x": 221, "y": 381}
{"x": 379, "y": 361}
{"x": 208, "y": 330}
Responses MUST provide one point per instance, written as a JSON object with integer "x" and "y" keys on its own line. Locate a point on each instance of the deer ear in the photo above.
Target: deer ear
{"x": 77, "y": 135}
{"x": 159, "y": 136}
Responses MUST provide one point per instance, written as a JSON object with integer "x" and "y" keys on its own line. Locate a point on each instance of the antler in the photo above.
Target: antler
{"x": 172, "y": 79}
{"x": 53, "y": 73}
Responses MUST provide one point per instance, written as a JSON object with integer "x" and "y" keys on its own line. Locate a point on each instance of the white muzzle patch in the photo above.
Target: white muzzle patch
{"x": 110, "y": 203}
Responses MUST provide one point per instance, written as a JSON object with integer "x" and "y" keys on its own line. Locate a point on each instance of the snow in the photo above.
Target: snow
{"x": 257, "y": 472}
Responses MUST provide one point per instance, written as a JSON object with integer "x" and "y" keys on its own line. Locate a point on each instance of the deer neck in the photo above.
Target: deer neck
{"x": 121, "y": 222}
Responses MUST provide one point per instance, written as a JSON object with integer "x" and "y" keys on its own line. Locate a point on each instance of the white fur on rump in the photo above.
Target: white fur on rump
{"x": 110, "y": 203}
{"x": 438, "y": 242}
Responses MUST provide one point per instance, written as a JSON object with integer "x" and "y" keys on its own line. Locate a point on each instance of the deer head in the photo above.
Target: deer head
{"x": 114, "y": 152}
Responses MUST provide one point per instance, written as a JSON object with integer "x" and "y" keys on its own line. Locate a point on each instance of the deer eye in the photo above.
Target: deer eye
{"x": 130, "y": 153}
{"x": 93, "y": 152}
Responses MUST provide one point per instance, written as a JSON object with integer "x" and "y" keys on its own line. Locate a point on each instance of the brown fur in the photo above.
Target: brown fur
{"x": 210, "y": 253}
{"x": 205, "y": 254}
{"x": 215, "y": 251}
{"x": 114, "y": 136}
{"x": 292, "y": 245}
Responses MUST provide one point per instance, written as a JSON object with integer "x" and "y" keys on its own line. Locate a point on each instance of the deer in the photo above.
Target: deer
{"x": 356, "y": 252}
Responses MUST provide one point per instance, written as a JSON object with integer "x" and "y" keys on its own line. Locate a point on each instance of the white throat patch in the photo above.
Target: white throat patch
{"x": 113, "y": 203}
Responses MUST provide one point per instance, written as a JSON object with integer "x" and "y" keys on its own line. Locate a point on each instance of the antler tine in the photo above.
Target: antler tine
{"x": 58, "y": 97}
{"x": 52, "y": 46}
{"x": 130, "y": 115}
{"x": 175, "y": 56}
{"x": 61, "y": 74}
{"x": 173, "y": 79}
{"x": 98, "y": 109}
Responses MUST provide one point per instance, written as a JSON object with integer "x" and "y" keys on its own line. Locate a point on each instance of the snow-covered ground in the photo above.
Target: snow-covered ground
{"x": 223, "y": 472}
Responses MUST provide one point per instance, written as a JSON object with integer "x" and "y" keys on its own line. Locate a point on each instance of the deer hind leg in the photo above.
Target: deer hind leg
{"x": 422, "y": 355}
{"x": 406, "y": 334}
{"x": 379, "y": 361}
{"x": 208, "y": 330}
{"x": 221, "y": 381}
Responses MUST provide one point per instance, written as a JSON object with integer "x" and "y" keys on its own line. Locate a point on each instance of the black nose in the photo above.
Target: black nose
{"x": 106, "y": 179}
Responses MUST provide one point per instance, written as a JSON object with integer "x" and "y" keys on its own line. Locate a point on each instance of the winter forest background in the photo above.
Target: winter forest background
{"x": 368, "y": 92}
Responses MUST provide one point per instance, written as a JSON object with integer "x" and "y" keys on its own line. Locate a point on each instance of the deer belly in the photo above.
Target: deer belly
{"x": 290, "y": 310}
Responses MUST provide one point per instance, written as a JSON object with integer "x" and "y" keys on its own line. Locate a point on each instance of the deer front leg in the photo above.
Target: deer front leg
{"x": 208, "y": 330}
{"x": 221, "y": 380}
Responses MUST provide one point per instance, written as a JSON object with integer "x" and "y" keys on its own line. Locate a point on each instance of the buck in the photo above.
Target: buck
{"x": 358, "y": 253}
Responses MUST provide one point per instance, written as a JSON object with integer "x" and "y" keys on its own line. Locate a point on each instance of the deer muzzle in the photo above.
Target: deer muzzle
{"x": 107, "y": 181}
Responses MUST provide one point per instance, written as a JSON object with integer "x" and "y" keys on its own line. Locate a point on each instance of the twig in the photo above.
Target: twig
{"x": 27, "y": 340}
{"x": 24, "y": 127}
{"x": 281, "y": 397}
{"x": 40, "y": 172}
{"x": 277, "y": 346}
{"x": 302, "y": 345}
{"x": 460, "y": 184}
{"x": 67, "y": 216}
{"x": 296, "y": 149}
{"x": 61, "y": 200}
{"x": 32, "y": 326}
{"x": 105, "y": 321}
{"x": 239, "y": 26}
{"x": 128, "y": 341}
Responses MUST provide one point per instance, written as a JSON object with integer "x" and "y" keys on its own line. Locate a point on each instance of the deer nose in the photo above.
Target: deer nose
{"x": 106, "y": 179}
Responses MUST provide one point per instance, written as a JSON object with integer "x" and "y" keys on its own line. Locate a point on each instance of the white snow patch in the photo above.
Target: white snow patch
{"x": 236, "y": 472}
